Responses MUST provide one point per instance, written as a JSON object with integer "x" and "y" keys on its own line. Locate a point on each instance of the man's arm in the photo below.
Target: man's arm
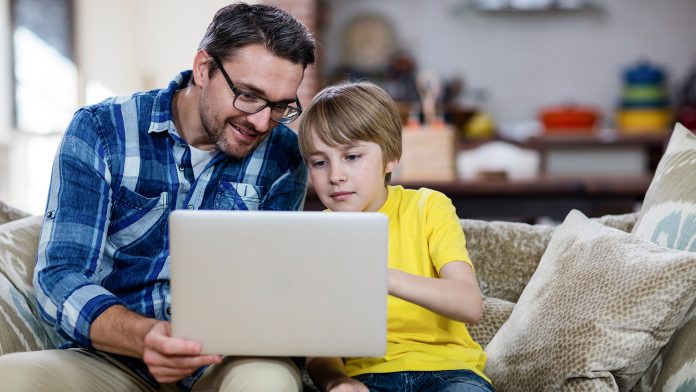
{"x": 69, "y": 262}
{"x": 69, "y": 259}
{"x": 120, "y": 331}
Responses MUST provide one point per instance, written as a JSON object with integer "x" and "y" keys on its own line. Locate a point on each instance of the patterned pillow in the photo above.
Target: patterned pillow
{"x": 595, "y": 313}
{"x": 20, "y": 326}
{"x": 668, "y": 218}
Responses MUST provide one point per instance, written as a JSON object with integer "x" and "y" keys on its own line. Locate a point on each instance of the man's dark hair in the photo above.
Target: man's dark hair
{"x": 238, "y": 25}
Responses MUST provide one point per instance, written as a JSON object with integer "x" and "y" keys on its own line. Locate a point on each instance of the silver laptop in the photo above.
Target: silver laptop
{"x": 269, "y": 283}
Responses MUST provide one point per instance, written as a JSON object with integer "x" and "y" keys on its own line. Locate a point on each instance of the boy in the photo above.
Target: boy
{"x": 350, "y": 137}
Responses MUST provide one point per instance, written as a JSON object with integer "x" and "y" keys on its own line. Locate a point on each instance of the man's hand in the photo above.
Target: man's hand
{"x": 170, "y": 359}
{"x": 346, "y": 384}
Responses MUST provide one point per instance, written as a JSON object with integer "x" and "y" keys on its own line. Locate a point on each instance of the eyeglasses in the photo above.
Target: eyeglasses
{"x": 250, "y": 104}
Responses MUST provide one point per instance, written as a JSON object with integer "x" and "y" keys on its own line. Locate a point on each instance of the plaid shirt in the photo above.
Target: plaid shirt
{"x": 121, "y": 168}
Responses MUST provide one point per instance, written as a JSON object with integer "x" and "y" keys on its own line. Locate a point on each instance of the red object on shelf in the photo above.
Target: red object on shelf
{"x": 687, "y": 117}
{"x": 569, "y": 119}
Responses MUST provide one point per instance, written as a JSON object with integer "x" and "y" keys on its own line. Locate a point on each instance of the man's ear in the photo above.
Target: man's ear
{"x": 201, "y": 66}
{"x": 391, "y": 165}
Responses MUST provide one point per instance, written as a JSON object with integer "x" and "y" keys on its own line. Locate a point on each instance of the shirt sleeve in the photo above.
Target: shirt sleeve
{"x": 74, "y": 231}
{"x": 446, "y": 239}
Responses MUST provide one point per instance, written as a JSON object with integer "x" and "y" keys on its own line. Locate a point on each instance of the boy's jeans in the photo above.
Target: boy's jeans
{"x": 439, "y": 381}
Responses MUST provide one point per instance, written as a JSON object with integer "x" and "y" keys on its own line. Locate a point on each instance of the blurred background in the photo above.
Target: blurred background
{"x": 517, "y": 109}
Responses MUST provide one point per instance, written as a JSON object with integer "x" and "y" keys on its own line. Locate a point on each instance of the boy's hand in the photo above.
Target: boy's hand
{"x": 346, "y": 384}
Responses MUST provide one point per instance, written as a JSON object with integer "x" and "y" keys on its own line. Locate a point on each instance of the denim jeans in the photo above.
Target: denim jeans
{"x": 438, "y": 381}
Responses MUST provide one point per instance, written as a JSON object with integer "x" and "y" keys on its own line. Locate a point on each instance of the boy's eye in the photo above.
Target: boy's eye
{"x": 353, "y": 157}
{"x": 318, "y": 164}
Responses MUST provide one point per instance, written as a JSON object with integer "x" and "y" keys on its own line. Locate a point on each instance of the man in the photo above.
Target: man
{"x": 214, "y": 139}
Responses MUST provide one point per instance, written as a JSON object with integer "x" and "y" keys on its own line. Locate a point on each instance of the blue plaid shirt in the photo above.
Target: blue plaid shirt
{"x": 121, "y": 168}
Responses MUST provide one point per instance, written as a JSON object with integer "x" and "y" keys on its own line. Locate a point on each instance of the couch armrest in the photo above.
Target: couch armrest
{"x": 8, "y": 213}
{"x": 21, "y": 326}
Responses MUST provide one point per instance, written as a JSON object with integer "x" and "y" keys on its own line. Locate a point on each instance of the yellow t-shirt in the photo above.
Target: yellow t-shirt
{"x": 424, "y": 235}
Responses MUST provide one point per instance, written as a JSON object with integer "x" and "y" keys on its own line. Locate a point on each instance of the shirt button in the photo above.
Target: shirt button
{"x": 181, "y": 168}
{"x": 169, "y": 310}
{"x": 190, "y": 206}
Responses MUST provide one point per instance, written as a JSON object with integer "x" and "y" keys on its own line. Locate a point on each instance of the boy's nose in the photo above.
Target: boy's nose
{"x": 337, "y": 174}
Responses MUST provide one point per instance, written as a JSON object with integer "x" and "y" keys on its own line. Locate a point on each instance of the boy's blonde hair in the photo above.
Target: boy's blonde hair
{"x": 350, "y": 112}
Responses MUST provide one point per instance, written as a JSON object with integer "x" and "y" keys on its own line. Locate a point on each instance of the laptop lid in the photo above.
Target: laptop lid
{"x": 268, "y": 283}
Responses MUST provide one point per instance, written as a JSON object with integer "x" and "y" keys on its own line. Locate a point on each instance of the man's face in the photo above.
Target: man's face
{"x": 254, "y": 70}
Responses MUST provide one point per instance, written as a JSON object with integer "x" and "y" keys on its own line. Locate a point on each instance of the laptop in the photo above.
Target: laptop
{"x": 266, "y": 283}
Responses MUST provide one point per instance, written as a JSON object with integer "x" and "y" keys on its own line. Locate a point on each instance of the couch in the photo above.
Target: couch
{"x": 600, "y": 304}
{"x": 506, "y": 254}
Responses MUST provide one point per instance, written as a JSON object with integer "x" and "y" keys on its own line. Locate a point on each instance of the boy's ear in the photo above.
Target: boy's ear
{"x": 391, "y": 165}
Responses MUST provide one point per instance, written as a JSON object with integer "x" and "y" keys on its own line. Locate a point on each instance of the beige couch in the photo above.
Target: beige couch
{"x": 506, "y": 256}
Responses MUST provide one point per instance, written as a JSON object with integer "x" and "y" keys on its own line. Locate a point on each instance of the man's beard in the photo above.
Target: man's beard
{"x": 215, "y": 129}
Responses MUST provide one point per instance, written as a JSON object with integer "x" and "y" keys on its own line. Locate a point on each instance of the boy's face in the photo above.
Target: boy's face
{"x": 349, "y": 177}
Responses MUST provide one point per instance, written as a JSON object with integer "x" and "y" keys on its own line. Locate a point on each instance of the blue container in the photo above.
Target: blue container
{"x": 644, "y": 73}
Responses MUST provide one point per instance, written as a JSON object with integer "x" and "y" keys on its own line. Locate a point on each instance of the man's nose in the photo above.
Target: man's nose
{"x": 260, "y": 120}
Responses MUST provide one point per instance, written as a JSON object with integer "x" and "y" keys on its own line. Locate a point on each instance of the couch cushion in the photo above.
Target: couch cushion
{"x": 595, "y": 313}
{"x": 504, "y": 254}
{"x": 20, "y": 326}
{"x": 495, "y": 312}
{"x": 668, "y": 218}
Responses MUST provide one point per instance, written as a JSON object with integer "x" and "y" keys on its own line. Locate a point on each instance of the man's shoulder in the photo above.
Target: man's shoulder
{"x": 139, "y": 99}
{"x": 283, "y": 134}
{"x": 284, "y": 140}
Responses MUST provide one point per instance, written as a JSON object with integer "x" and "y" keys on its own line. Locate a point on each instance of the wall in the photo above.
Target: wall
{"x": 121, "y": 47}
{"x": 131, "y": 45}
{"x": 5, "y": 73}
{"x": 529, "y": 59}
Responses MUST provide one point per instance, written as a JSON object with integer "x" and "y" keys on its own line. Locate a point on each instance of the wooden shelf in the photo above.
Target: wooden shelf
{"x": 526, "y": 200}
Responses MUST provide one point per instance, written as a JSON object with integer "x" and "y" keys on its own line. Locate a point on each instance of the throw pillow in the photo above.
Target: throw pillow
{"x": 597, "y": 310}
{"x": 20, "y": 326}
{"x": 668, "y": 218}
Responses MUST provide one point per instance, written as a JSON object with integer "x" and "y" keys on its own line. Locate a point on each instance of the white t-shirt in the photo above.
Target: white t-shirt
{"x": 200, "y": 158}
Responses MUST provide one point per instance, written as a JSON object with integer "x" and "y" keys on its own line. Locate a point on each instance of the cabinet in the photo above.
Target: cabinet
{"x": 595, "y": 193}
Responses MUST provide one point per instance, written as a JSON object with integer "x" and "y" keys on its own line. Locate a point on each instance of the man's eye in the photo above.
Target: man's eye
{"x": 279, "y": 109}
{"x": 246, "y": 97}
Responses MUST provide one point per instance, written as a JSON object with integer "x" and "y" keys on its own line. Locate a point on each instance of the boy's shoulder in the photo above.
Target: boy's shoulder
{"x": 421, "y": 194}
{"x": 421, "y": 199}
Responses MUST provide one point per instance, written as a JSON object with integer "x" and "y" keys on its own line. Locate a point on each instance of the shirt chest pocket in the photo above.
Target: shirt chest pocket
{"x": 139, "y": 223}
{"x": 237, "y": 196}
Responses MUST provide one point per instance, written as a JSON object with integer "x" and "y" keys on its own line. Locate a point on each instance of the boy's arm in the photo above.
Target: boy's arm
{"x": 328, "y": 374}
{"x": 455, "y": 295}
